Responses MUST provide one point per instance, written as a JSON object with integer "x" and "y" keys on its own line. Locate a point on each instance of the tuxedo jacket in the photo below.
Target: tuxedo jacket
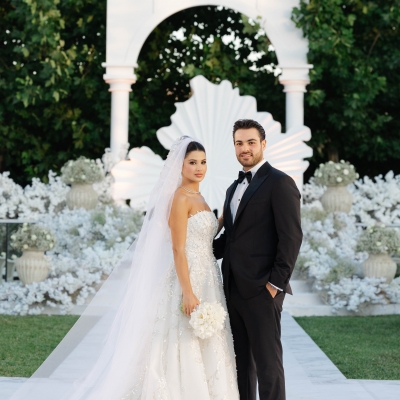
{"x": 262, "y": 244}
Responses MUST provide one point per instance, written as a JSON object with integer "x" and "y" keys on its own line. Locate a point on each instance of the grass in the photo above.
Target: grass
{"x": 25, "y": 342}
{"x": 361, "y": 347}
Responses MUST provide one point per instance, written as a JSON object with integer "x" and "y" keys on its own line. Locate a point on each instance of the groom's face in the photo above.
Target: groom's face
{"x": 249, "y": 147}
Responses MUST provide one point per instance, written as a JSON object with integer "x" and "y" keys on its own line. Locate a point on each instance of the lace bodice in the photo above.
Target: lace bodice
{"x": 201, "y": 229}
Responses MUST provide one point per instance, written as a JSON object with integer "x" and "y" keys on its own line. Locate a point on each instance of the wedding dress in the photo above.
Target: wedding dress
{"x": 180, "y": 365}
{"x": 132, "y": 341}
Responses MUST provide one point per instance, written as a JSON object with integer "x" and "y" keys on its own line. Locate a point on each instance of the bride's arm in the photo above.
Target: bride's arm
{"x": 220, "y": 223}
{"x": 178, "y": 223}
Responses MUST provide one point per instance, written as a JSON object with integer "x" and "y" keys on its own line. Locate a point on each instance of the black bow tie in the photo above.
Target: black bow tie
{"x": 243, "y": 175}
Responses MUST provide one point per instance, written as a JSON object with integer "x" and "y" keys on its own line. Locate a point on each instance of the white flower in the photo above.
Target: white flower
{"x": 72, "y": 179}
{"x": 378, "y": 244}
{"x": 207, "y": 319}
{"x": 51, "y": 245}
{"x": 13, "y": 257}
{"x": 83, "y": 176}
{"x": 3, "y": 254}
{"x": 24, "y": 224}
{"x": 322, "y": 165}
{"x": 48, "y": 237}
{"x": 339, "y": 179}
{"x": 357, "y": 175}
{"x": 331, "y": 162}
{"x": 346, "y": 171}
{"x": 319, "y": 175}
{"x": 351, "y": 166}
{"x": 33, "y": 237}
{"x": 342, "y": 161}
{"x": 13, "y": 237}
{"x": 25, "y": 246}
{"x": 338, "y": 167}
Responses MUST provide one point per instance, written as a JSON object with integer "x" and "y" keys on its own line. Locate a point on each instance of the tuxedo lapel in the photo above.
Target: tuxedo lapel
{"x": 255, "y": 183}
{"x": 227, "y": 205}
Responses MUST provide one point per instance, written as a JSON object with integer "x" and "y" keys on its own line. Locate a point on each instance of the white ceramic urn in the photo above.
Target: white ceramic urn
{"x": 337, "y": 198}
{"x": 379, "y": 266}
{"x": 32, "y": 266}
{"x": 82, "y": 195}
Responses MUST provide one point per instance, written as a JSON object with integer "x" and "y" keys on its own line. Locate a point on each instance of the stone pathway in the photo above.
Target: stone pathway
{"x": 310, "y": 375}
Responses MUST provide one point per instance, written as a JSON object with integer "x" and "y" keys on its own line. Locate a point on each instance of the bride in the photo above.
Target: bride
{"x": 134, "y": 340}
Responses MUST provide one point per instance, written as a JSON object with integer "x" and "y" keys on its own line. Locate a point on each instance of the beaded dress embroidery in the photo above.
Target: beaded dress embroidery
{"x": 179, "y": 365}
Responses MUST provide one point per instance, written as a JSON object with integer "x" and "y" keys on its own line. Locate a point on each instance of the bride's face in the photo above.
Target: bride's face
{"x": 194, "y": 166}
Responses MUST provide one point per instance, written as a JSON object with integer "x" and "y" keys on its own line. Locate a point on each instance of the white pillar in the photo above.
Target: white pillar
{"x": 294, "y": 80}
{"x": 120, "y": 80}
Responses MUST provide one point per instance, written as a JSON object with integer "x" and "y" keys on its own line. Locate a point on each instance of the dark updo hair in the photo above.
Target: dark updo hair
{"x": 247, "y": 124}
{"x": 194, "y": 146}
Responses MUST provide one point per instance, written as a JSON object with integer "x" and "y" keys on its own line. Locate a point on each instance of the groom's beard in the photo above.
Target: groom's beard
{"x": 253, "y": 160}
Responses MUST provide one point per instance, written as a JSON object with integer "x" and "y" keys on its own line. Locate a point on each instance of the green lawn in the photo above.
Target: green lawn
{"x": 361, "y": 347}
{"x": 25, "y": 342}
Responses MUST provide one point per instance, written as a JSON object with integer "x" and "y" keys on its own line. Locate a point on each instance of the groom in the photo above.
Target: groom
{"x": 259, "y": 248}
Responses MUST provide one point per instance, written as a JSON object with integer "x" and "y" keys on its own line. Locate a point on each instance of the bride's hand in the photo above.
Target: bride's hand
{"x": 190, "y": 302}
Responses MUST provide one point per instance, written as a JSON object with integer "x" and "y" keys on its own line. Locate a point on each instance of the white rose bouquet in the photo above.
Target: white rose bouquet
{"x": 335, "y": 174}
{"x": 82, "y": 170}
{"x": 379, "y": 240}
{"x": 207, "y": 319}
{"x": 31, "y": 236}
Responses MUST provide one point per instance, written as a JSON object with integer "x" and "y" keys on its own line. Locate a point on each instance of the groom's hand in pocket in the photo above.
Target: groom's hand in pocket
{"x": 272, "y": 290}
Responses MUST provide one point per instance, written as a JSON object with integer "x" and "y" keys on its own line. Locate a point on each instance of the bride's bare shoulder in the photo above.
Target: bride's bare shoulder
{"x": 181, "y": 199}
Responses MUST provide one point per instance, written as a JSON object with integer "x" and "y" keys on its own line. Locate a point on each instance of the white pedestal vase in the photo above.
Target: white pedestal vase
{"x": 82, "y": 195}
{"x": 32, "y": 266}
{"x": 337, "y": 198}
{"x": 379, "y": 266}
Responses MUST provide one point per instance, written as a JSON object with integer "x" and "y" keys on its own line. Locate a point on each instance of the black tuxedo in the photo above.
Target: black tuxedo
{"x": 261, "y": 245}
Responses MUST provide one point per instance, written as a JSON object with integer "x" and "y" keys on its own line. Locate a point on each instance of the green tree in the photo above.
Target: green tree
{"x": 353, "y": 100}
{"x": 56, "y": 105}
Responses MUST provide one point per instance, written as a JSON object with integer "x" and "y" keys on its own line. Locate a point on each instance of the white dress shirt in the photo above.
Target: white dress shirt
{"x": 239, "y": 192}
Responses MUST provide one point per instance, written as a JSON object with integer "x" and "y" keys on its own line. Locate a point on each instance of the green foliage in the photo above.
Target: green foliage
{"x": 353, "y": 99}
{"x": 361, "y": 347}
{"x": 25, "y": 342}
{"x": 56, "y": 105}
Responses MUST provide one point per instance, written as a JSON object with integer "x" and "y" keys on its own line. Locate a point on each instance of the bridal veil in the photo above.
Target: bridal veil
{"x": 108, "y": 344}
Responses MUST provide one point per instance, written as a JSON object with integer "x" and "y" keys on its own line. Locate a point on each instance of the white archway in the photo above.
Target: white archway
{"x": 129, "y": 23}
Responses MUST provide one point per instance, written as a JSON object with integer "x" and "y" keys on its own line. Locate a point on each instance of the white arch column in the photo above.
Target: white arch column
{"x": 295, "y": 80}
{"x": 120, "y": 79}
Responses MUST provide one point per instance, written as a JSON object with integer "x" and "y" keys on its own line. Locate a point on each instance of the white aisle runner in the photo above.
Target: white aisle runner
{"x": 310, "y": 375}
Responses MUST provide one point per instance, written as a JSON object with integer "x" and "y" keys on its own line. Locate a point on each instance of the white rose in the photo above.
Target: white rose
{"x": 338, "y": 167}
{"x": 357, "y": 175}
{"x": 342, "y": 161}
{"x": 13, "y": 257}
{"x": 51, "y": 245}
{"x": 33, "y": 237}
{"x": 83, "y": 176}
{"x": 339, "y": 179}
{"x": 25, "y": 246}
{"x": 331, "y": 162}
{"x": 322, "y": 165}
{"x": 48, "y": 237}
{"x": 24, "y": 229}
{"x": 13, "y": 237}
{"x": 320, "y": 175}
{"x": 72, "y": 179}
{"x": 352, "y": 166}
{"x": 378, "y": 244}
{"x": 346, "y": 171}
{"x": 3, "y": 254}
{"x": 86, "y": 161}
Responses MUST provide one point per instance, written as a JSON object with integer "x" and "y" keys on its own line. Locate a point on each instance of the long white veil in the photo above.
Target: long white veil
{"x": 108, "y": 344}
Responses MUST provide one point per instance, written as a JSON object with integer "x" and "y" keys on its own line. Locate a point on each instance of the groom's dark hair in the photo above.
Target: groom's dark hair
{"x": 247, "y": 124}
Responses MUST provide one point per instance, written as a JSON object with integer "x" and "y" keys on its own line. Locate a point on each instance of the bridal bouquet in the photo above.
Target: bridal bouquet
{"x": 207, "y": 319}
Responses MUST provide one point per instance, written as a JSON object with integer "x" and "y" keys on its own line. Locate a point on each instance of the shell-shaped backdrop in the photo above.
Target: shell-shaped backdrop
{"x": 208, "y": 116}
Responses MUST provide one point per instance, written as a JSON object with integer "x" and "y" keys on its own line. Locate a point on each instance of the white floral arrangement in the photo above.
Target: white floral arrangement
{"x": 335, "y": 174}
{"x": 82, "y": 170}
{"x": 207, "y": 319}
{"x": 379, "y": 239}
{"x": 32, "y": 236}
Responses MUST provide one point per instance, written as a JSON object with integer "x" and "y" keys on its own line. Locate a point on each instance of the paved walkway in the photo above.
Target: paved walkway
{"x": 310, "y": 375}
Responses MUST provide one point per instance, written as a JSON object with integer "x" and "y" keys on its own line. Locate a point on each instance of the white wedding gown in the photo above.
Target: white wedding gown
{"x": 179, "y": 365}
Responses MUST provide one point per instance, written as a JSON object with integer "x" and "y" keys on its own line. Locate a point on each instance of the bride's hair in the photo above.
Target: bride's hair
{"x": 194, "y": 146}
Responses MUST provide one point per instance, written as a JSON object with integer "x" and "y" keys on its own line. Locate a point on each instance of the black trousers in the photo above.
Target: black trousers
{"x": 256, "y": 329}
